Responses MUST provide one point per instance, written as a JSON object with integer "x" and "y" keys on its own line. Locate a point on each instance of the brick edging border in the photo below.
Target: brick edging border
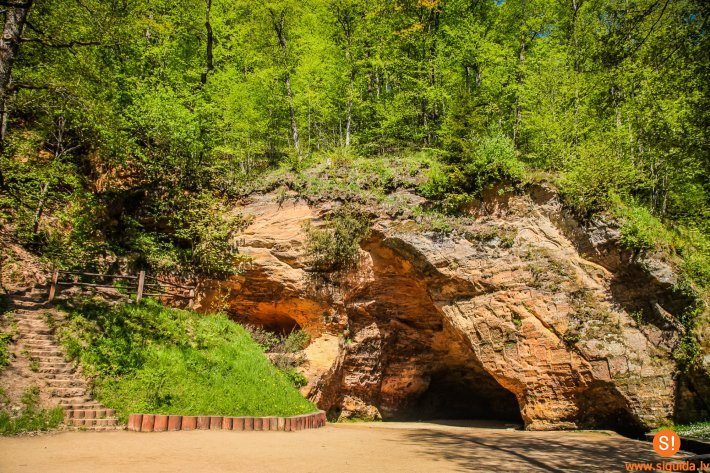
{"x": 166, "y": 423}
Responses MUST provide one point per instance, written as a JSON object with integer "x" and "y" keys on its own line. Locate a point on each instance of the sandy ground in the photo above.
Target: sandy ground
{"x": 376, "y": 447}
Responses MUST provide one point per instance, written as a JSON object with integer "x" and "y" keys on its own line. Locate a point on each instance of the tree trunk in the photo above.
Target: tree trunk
{"x": 40, "y": 207}
{"x": 210, "y": 42}
{"x": 292, "y": 113}
{"x": 15, "y": 19}
{"x": 278, "y": 22}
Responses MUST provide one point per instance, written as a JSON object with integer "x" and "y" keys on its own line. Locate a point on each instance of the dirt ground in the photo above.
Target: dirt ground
{"x": 363, "y": 447}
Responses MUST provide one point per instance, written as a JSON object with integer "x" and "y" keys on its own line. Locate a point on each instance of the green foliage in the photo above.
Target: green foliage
{"x": 594, "y": 180}
{"x": 151, "y": 359}
{"x": 641, "y": 230}
{"x": 133, "y": 158}
{"x": 30, "y": 418}
{"x": 492, "y": 161}
{"x": 698, "y": 430}
{"x": 283, "y": 350}
{"x": 5, "y": 355}
{"x": 335, "y": 246}
{"x": 118, "y": 153}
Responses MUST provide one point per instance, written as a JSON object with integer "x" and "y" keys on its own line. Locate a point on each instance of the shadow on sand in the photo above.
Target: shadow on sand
{"x": 491, "y": 446}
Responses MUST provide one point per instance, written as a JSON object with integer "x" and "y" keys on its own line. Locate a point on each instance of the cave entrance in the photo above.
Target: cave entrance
{"x": 281, "y": 325}
{"x": 276, "y": 323}
{"x": 464, "y": 393}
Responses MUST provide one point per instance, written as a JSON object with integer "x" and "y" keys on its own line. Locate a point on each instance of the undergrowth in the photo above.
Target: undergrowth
{"x": 30, "y": 418}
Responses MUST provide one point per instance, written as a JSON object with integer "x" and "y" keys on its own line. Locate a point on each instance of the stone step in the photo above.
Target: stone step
{"x": 36, "y": 297}
{"x": 48, "y": 370}
{"x": 78, "y": 401}
{"x": 39, "y": 342}
{"x": 40, "y": 345}
{"x": 39, "y": 335}
{"x": 96, "y": 428}
{"x": 58, "y": 353}
{"x": 52, "y": 359}
{"x": 29, "y": 312}
{"x": 45, "y": 353}
{"x": 29, "y": 303}
{"x": 108, "y": 422}
{"x": 89, "y": 413}
{"x": 33, "y": 331}
{"x": 30, "y": 335}
{"x": 55, "y": 364}
{"x": 31, "y": 323}
{"x": 67, "y": 392}
{"x": 66, "y": 383}
{"x": 80, "y": 405}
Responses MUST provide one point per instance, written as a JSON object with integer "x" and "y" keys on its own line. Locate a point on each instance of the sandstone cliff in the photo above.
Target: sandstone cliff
{"x": 519, "y": 314}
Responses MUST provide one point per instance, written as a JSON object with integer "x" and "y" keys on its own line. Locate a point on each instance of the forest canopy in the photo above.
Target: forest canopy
{"x": 127, "y": 126}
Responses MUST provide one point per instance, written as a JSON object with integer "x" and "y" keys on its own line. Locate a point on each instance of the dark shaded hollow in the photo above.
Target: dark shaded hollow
{"x": 278, "y": 324}
{"x": 601, "y": 407}
{"x": 461, "y": 393}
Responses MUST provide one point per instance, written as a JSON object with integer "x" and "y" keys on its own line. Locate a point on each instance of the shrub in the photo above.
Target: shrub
{"x": 493, "y": 160}
{"x": 283, "y": 350}
{"x": 336, "y": 245}
{"x": 595, "y": 178}
{"x": 640, "y": 230}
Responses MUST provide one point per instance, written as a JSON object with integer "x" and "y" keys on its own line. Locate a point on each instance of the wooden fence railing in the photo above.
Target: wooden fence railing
{"x": 140, "y": 285}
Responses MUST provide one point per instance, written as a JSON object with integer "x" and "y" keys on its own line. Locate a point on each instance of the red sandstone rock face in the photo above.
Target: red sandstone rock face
{"x": 516, "y": 317}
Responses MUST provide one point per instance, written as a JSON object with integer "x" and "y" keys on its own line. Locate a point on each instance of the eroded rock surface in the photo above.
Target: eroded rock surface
{"x": 520, "y": 314}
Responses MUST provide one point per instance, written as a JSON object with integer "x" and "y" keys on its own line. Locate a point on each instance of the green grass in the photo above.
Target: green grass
{"x": 5, "y": 354}
{"x": 30, "y": 418}
{"x": 152, "y": 359}
{"x": 698, "y": 430}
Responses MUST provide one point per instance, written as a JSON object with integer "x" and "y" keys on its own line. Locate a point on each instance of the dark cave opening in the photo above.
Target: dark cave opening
{"x": 462, "y": 393}
{"x": 281, "y": 325}
{"x": 274, "y": 323}
{"x": 601, "y": 407}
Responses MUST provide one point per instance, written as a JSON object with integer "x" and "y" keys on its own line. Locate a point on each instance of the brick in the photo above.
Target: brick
{"x": 280, "y": 422}
{"x": 227, "y": 423}
{"x": 238, "y": 423}
{"x": 91, "y": 414}
{"x": 287, "y": 424}
{"x": 189, "y": 423}
{"x": 257, "y": 423}
{"x": 273, "y": 423}
{"x": 147, "y": 423}
{"x": 174, "y": 423}
{"x": 216, "y": 423}
{"x": 134, "y": 422}
{"x": 161, "y": 423}
{"x": 248, "y": 423}
{"x": 203, "y": 423}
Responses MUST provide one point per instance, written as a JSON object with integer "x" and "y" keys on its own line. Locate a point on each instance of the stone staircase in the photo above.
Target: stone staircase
{"x": 36, "y": 340}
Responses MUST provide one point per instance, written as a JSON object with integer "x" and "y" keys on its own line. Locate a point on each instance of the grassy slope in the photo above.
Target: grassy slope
{"x": 152, "y": 359}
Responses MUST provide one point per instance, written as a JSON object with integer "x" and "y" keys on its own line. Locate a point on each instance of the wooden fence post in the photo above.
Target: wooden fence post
{"x": 141, "y": 282}
{"x": 192, "y": 299}
{"x": 53, "y": 287}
